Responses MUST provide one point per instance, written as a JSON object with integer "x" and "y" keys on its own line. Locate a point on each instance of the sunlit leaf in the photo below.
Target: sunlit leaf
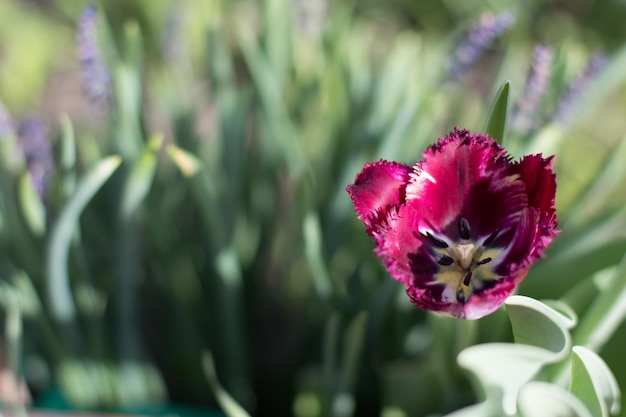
{"x": 140, "y": 178}
{"x": 495, "y": 126}
{"x": 32, "y": 206}
{"x": 57, "y": 251}
{"x": 491, "y": 407}
{"x": 538, "y": 399}
{"x": 504, "y": 366}
{"x": 594, "y": 383}
{"x": 536, "y": 324}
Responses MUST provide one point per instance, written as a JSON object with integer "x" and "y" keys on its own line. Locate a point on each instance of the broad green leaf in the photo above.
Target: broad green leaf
{"x": 33, "y": 209}
{"x": 57, "y": 250}
{"x": 504, "y": 366}
{"x": 569, "y": 317}
{"x": 594, "y": 383}
{"x": 536, "y": 324}
{"x": 491, "y": 407}
{"x": 495, "y": 125}
{"x": 542, "y": 337}
{"x": 538, "y": 399}
{"x": 226, "y": 402}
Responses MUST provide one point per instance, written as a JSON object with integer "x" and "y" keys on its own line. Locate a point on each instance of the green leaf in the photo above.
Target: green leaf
{"x": 227, "y": 403}
{"x": 32, "y": 207}
{"x": 504, "y": 366}
{"x": 495, "y": 126}
{"x": 491, "y": 407}
{"x": 313, "y": 241}
{"x": 61, "y": 303}
{"x": 544, "y": 399}
{"x": 68, "y": 157}
{"x": 140, "y": 178}
{"x": 536, "y": 324}
{"x": 353, "y": 347}
{"x": 594, "y": 383}
{"x": 542, "y": 338}
{"x": 188, "y": 164}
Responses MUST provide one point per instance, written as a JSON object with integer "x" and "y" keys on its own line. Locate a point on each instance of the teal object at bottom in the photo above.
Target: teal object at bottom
{"x": 52, "y": 400}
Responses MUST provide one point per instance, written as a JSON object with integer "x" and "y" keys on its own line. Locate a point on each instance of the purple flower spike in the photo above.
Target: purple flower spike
{"x": 34, "y": 141}
{"x": 525, "y": 113}
{"x": 566, "y": 106}
{"x": 478, "y": 40}
{"x": 461, "y": 228}
{"x": 96, "y": 77}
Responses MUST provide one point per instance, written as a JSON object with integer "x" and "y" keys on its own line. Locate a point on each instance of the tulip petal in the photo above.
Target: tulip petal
{"x": 536, "y": 172}
{"x": 470, "y": 177}
{"x": 397, "y": 244}
{"x": 378, "y": 187}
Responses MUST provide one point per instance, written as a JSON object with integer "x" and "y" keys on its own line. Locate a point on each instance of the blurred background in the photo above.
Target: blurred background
{"x": 174, "y": 226}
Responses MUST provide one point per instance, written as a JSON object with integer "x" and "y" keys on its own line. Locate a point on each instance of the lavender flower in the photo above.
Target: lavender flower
{"x": 96, "y": 77}
{"x": 565, "y": 109}
{"x": 479, "y": 38}
{"x": 525, "y": 112}
{"x": 34, "y": 141}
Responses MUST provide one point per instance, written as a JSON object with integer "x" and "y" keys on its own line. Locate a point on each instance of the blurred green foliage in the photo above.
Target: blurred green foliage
{"x": 205, "y": 208}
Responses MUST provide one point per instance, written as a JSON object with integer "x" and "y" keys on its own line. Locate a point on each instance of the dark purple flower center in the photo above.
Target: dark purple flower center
{"x": 464, "y": 265}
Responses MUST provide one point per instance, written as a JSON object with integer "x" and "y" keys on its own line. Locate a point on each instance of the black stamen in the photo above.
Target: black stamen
{"x": 492, "y": 237}
{"x": 483, "y": 261}
{"x": 438, "y": 242}
{"x": 444, "y": 260}
{"x": 460, "y": 297}
{"x": 464, "y": 229}
{"x": 468, "y": 277}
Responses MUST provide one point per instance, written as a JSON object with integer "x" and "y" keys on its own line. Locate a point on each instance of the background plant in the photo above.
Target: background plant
{"x": 200, "y": 206}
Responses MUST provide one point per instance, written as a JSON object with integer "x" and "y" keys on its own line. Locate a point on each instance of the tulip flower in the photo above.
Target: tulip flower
{"x": 461, "y": 228}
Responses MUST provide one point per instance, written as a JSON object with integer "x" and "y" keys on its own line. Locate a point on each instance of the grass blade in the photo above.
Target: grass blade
{"x": 62, "y": 305}
{"x": 495, "y": 126}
